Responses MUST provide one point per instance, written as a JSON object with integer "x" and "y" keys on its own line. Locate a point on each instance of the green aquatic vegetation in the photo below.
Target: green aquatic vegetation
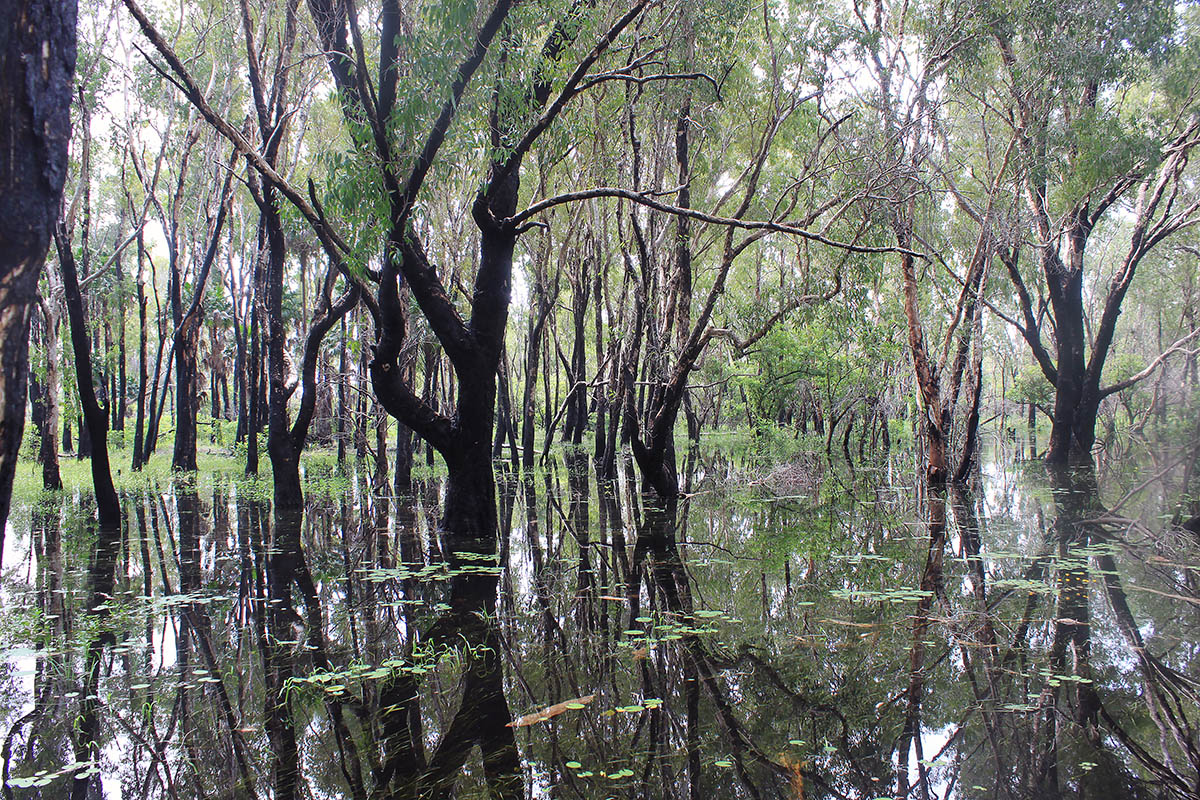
{"x": 423, "y": 660}
{"x": 427, "y": 572}
{"x": 901, "y": 595}
{"x": 1025, "y": 585}
{"x": 42, "y": 778}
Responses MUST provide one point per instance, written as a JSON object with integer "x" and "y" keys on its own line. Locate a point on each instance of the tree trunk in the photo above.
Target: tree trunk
{"x": 143, "y": 376}
{"x": 186, "y": 381}
{"x": 935, "y": 417}
{"x": 577, "y": 409}
{"x": 37, "y": 65}
{"x": 533, "y": 349}
{"x": 44, "y": 401}
{"x": 84, "y": 450}
{"x": 284, "y": 454}
{"x": 341, "y": 398}
{"x": 188, "y": 321}
{"x": 253, "y": 381}
{"x": 120, "y": 401}
{"x": 95, "y": 418}
{"x": 1072, "y": 430}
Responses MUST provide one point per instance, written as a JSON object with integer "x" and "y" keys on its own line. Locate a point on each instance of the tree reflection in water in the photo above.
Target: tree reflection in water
{"x": 848, "y": 639}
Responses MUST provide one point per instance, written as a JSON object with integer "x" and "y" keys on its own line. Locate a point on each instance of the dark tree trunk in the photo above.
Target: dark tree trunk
{"x": 533, "y": 345}
{"x": 602, "y": 389}
{"x": 84, "y": 450}
{"x": 577, "y": 398}
{"x": 215, "y": 376}
{"x": 253, "y": 380}
{"x": 1072, "y": 430}
{"x": 402, "y": 483}
{"x": 240, "y": 360}
{"x": 341, "y": 397}
{"x": 120, "y": 402}
{"x": 143, "y": 375}
{"x": 282, "y": 449}
{"x": 186, "y": 382}
{"x": 37, "y": 66}
{"x": 188, "y": 321}
{"x": 95, "y": 417}
{"x": 157, "y": 401}
{"x": 429, "y": 392}
{"x": 505, "y": 424}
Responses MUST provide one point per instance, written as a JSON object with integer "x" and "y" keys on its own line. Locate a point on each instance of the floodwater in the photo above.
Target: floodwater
{"x": 817, "y": 630}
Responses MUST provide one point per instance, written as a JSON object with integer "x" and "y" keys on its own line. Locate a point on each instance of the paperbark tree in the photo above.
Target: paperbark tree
{"x": 671, "y": 327}
{"x": 37, "y": 67}
{"x": 908, "y": 109}
{"x": 473, "y": 346}
{"x": 1086, "y": 163}
{"x": 186, "y": 343}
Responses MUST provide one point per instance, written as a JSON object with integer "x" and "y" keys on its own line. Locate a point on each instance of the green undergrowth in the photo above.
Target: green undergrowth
{"x": 320, "y": 471}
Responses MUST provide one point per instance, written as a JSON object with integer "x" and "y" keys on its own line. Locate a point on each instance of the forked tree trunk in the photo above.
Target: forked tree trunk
{"x": 187, "y": 338}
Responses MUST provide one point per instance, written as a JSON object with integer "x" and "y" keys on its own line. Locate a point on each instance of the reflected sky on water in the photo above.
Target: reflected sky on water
{"x": 813, "y": 630}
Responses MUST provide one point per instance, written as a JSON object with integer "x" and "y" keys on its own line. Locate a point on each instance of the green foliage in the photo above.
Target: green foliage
{"x": 1031, "y": 386}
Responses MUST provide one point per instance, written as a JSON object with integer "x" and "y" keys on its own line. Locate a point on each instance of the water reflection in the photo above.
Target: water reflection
{"x": 809, "y": 633}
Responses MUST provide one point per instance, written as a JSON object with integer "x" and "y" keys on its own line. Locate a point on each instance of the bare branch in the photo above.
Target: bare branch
{"x": 90, "y": 279}
{"x": 645, "y": 199}
{"x": 1152, "y": 366}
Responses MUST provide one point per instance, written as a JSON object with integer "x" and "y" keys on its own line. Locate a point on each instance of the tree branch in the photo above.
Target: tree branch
{"x": 1151, "y": 367}
{"x": 645, "y": 199}
{"x": 570, "y": 89}
{"x": 437, "y": 134}
{"x": 333, "y": 244}
{"x": 90, "y": 279}
{"x": 308, "y": 371}
{"x": 1030, "y": 329}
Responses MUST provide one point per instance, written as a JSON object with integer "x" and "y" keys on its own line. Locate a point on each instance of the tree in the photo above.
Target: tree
{"x": 906, "y": 102}
{"x": 673, "y": 318}
{"x": 37, "y": 67}
{"x": 1076, "y": 77}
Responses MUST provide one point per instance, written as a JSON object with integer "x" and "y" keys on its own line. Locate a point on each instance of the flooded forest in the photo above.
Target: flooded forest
{"x": 678, "y": 399}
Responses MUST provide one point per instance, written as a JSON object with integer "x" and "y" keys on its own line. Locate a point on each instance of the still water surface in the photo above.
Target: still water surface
{"x": 817, "y": 630}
